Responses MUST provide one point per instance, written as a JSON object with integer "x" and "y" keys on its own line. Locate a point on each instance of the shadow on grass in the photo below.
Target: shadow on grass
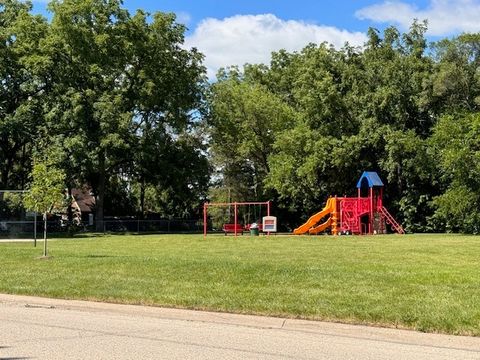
{"x": 126, "y": 233}
{"x": 93, "y": 235}
{"x": 99, "y": 256}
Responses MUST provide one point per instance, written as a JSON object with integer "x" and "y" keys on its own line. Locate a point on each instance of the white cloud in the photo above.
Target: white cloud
{"x": 444, "y": 17}
{"x": 251, "y": 38}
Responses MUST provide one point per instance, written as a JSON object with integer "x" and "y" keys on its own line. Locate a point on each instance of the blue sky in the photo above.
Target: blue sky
{"x": 340, "y": 14}
{"x": 236, "y": 32}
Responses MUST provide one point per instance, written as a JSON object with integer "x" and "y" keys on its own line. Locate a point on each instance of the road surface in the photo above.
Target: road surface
{"x": 36, "y": 328}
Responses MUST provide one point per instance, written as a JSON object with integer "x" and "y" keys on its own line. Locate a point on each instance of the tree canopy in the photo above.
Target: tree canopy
{"x": 395, "y": 106}
{"x": 118, "y": 93}
{"x": 136, "y": 120}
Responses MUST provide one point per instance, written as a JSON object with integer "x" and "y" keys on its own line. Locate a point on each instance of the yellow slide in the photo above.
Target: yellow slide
{"x": 320, "y": 228}
{"x": 329, "y": 208}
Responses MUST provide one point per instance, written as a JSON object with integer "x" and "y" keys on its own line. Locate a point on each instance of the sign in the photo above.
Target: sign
{"x": 269, "y": 224}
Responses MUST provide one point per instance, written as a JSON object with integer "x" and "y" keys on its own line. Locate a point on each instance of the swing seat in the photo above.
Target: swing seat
{"x": 230, "y": 228}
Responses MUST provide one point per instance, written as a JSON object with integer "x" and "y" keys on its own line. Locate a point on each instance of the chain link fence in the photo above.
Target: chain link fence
{"x": 17, "y": 229}
{"x": 27, "y": 229}
{"x": 152, "y": 226}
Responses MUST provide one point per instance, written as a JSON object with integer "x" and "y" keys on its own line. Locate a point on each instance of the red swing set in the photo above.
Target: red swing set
{"x": 234, "y": 228}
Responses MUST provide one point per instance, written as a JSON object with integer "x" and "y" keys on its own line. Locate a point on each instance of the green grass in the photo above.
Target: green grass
{"x": 425, "y": 282}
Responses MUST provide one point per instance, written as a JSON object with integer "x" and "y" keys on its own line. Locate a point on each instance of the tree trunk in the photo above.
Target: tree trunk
{"x": 4, "y": 169}
{"x": 100, "y": 195}
{"x": 45, "y": 234}
{"x": 24, "y": 166}
{"x": 142, "y": 199}
{"x": 5, "y": 174}
{"x": 69, "y": 208}
{"x": 400, "y": 180}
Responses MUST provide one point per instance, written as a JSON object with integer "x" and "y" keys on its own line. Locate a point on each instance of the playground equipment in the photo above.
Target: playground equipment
{"x": 364, "y": 214}
{"x": 235, "y": 228}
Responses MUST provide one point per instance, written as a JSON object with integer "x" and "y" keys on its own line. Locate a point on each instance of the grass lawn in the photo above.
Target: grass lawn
{"x": 424, "y": 282}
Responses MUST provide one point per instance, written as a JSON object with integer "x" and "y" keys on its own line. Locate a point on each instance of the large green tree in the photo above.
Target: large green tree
{"x": 244, "y": 122}
{"x": 454, "y": 84}
{"x": 351, "y": 110}
{"x": 456, "y": 145}
{"x": 114, "y": 78}
{"x": 21, "y": 91}
{"x": 172, "y": 174}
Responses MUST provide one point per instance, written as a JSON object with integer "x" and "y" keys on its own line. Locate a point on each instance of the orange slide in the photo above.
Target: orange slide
{"x": 322, "y": 227}
{"x": 309, "y": 226}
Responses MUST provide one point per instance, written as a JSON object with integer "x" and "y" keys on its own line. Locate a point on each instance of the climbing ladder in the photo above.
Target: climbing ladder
{"x": 390, "y": 220}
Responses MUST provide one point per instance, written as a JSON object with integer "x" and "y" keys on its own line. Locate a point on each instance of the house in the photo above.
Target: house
{"x": 83, "y": 205}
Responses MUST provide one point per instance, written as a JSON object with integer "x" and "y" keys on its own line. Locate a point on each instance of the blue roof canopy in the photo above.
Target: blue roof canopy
{"x": 372, "y": 178}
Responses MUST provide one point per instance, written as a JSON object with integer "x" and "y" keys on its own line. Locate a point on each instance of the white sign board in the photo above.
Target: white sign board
{"x": 269, "y": 224}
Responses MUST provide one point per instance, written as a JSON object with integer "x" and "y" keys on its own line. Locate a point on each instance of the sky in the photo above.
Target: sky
{"x": 236, "y": 32}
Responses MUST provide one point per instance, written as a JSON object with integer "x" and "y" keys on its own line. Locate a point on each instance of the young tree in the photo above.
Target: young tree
{"x": 45, "y": 193}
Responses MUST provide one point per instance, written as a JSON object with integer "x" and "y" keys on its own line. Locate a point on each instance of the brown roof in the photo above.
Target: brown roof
{"x": 84, "y": 199}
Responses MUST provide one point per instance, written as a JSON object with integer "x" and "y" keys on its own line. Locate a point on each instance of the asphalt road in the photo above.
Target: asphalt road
{"x": 36, "y": 328}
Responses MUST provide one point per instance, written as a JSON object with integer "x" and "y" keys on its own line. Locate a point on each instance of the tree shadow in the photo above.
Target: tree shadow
{"x": 98, "y": 256}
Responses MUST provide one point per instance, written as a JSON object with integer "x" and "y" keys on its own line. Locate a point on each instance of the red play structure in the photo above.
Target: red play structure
{"x": 364, "y": 214}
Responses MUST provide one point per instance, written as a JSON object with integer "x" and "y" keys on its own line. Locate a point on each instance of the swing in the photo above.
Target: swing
{"x": 256, "y": 220}
{"x": 232, "y": 227}
{"x": 236, "y": 227}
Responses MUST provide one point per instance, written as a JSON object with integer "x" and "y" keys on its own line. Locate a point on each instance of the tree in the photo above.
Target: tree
{"x": 21, "y": 89}
{"x": 115, "y": 78}
{"x": 244, "y": 121}
{"x": 454, "y": 85}
{"x": 181, "y": 185}
{"x": 347, "y": 111}
{"x": 455, "y": 145}
{"x": 45, "y": 193}
{"x": 412, "y": 175}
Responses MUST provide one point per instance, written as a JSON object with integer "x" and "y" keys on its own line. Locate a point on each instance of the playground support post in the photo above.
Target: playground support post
{"x": 370, "y": 230}
{"x": 35, "y": 231}
{"x": 205, "y": 209}
{"x": 45, "y": 251}
{"x": 236, "y": 217}
{"x": 268, "y": 214}
{"x": 379, "y": 207}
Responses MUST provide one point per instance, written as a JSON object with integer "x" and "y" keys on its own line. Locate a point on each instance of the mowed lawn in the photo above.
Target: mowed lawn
{"x": 424, "y": 282}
